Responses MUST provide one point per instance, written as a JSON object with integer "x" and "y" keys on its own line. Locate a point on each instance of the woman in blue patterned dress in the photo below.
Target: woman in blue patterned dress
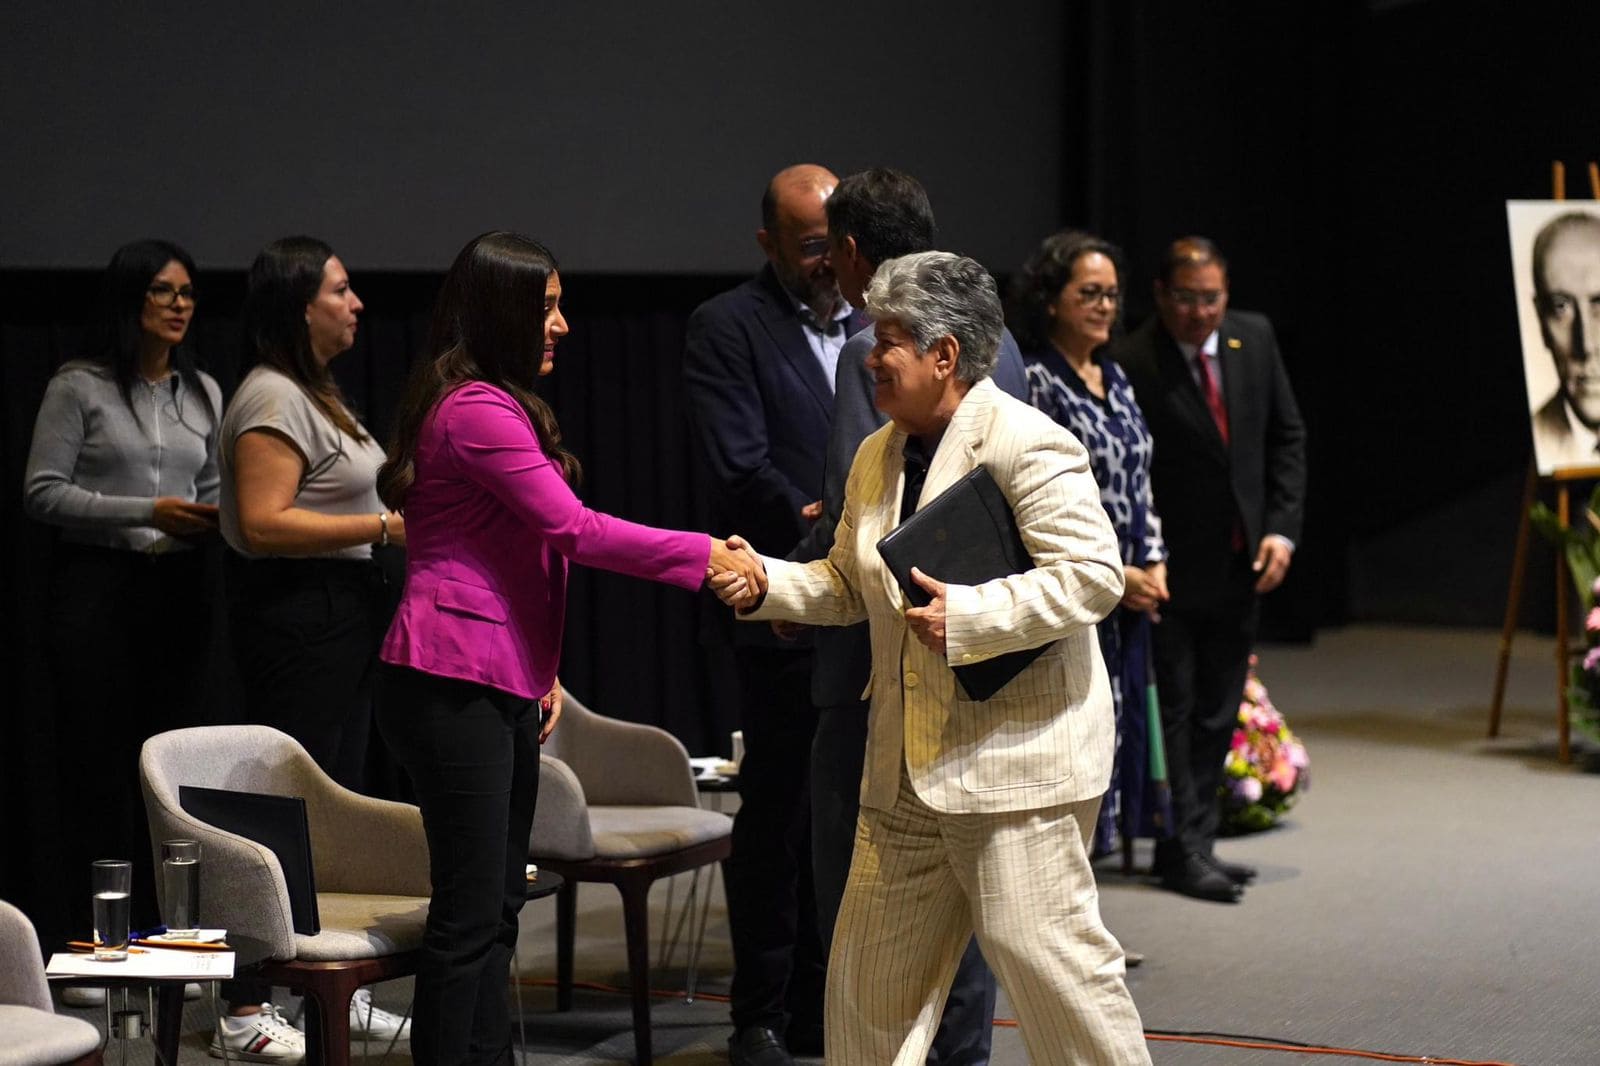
{"x": 1065, "y": 305}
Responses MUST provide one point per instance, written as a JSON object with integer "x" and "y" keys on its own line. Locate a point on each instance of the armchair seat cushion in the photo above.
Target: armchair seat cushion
{"x": 33, "y": 1037}
{"x": 363, "y": 927}
{"x": 641, "y": 832}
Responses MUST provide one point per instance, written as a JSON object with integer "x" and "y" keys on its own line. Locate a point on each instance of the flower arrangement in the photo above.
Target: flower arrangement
{"x": 1267, "y": 767}
{"x": 1580, "y": 542}
{"x": 1583, "y": 691}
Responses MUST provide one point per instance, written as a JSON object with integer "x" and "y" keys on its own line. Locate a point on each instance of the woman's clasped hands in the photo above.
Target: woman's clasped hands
{"x": 735, "y": 573}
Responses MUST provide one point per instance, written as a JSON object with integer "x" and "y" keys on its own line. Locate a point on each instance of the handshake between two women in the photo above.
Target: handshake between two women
{"x": 735, "y": 573}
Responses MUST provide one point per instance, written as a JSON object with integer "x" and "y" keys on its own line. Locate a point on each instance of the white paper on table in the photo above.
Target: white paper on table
{"x": 188, "y": 965}
{"x": 202, "y": 936}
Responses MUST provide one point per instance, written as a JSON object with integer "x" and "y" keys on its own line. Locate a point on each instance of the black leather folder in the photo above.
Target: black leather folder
{"x": 964, "y": 536}
{"x": 280, "y": 823}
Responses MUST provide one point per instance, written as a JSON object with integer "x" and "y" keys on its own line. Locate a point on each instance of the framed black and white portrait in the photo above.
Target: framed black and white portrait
{"x": 1555, "y": 265}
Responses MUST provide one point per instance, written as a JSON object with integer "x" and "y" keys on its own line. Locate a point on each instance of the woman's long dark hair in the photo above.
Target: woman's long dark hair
{"x": 488, "y": 326}
{"x": 1040, "y": 281}
{"x": 285, "y": 277}
{"x": 117, "y": 337}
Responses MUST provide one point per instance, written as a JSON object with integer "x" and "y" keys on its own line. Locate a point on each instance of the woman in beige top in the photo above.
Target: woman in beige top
{"x": 308, "y": 600}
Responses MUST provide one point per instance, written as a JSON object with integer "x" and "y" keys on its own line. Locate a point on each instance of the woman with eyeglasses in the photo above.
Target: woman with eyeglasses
{"x": 124, "y": 464}
{"x": 1065, "y": 307}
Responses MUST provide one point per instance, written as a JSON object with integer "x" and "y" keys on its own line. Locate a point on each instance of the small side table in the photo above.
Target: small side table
{"x": 548, "y": 883}
{"x": 166, "y": 994}
{"x": 717, "y": 786}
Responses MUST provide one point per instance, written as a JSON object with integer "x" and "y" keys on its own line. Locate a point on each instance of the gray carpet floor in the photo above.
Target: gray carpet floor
{"x": 1435, "y": 893}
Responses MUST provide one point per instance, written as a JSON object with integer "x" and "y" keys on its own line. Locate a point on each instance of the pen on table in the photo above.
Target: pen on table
{"x": 84, "y": 945}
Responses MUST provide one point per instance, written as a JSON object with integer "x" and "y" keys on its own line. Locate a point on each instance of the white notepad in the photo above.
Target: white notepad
{"x": 151, "y": 962}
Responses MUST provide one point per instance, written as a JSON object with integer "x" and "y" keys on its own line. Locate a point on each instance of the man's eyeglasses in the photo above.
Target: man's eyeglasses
{"x": 163, "y": 295}
{"x": 812, "y": 247}
{"x": 1190, "y": 298}
{"x": 1091, "y": 295}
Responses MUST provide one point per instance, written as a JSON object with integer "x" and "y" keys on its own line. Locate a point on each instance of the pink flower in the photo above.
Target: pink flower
{"x": 1283, "y": 775}
{"x": 1591, "y": 659}
{"x": 1297, "y": 756}
{"x": 1247, "y": 789}
{"x": 1240, "y": 742}
{"x": 1592, "y": 623}
{"x": 1594, "y": 590}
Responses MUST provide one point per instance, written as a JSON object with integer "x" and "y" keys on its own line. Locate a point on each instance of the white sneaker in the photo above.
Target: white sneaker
{"x": 374, "y": 1023}
{"x": 79, "y": 996}
{"x": 264, "y": 1037}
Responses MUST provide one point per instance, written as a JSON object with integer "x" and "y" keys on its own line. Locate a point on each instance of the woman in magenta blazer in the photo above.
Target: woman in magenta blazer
{"x": 491, "y": 519}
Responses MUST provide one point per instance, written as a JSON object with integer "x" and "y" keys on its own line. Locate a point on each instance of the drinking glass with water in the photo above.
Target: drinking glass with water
{"x": 111, "y": 881}
{"x": 180, "y": 888}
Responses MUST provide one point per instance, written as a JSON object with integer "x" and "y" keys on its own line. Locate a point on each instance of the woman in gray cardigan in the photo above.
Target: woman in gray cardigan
{"x": 124, "y": 463}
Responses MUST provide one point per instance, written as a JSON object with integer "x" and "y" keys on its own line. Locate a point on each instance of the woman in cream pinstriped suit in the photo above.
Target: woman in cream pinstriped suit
{"x": 975, "y": 815}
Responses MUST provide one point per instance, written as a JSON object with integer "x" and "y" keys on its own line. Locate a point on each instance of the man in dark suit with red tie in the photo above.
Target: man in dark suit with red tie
{"x": 1228, "y": 474}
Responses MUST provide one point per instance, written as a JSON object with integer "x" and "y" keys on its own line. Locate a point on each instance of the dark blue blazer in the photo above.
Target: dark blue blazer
{"x": 760, "y": 406}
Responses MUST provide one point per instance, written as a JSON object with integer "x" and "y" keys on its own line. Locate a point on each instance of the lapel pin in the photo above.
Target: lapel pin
{"x": 1235, "y": 342}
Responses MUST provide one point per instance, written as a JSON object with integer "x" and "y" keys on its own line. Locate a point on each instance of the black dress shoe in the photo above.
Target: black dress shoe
{"x": 1237, "y": 872}
{"x": 756, "y": 1045}
{"x": 1197, "y": 877}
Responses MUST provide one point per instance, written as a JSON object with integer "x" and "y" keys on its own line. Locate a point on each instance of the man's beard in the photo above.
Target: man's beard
{"x": 812, "y": 290}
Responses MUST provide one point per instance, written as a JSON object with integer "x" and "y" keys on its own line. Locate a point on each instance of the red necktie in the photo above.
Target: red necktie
{"x": 1212, "y": 394}
{"x": 1219, "y": 415}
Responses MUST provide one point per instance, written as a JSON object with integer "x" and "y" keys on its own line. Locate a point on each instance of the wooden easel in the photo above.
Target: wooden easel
{"x": 1562, "y": 480}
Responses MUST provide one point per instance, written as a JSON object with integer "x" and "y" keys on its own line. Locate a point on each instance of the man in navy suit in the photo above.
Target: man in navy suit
{"x": 873, "y": 216}
{"x": 759, "y": 366}
{"x": 1229, "y": 480}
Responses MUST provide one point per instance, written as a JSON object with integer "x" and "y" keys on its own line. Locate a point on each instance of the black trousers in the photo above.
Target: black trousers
{"x": 1202, "y": 657}
{"x": 305, "y": 637}
{"x": 129, "y": 639}
{"x": 473, "y": 756}
{"x": 838, "y": 757}
{"x": 778, "y": 963}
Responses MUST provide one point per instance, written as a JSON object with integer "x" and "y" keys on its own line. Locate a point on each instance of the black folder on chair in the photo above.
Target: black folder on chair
{"x": 966, "y": 535}
{"x": 280, "y": 823}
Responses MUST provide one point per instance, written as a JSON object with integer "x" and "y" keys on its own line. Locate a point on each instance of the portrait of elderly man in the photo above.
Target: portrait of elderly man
{"x": 975, "y": 815}
{"x": 1566, "y": 298}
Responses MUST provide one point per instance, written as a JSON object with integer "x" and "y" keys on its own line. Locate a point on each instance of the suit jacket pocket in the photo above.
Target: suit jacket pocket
{"x": 1019, "y": 738}
{"x": 470, "y": 601}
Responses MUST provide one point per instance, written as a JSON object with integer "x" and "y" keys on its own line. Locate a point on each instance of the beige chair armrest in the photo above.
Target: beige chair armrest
{"x": 561, "y": 819}
{"x": 22, "y": 981}
{"x": 625, "y": 764}
{"x": 367, "y": 846}
{"x": 242, "y": 888}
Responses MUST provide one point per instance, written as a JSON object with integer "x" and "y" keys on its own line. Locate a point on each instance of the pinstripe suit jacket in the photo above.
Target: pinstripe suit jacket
{"x": 1046, "y": 738}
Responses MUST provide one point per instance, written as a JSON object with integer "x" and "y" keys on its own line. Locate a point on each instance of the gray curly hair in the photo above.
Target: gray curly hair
{"x": 937, "y": 294}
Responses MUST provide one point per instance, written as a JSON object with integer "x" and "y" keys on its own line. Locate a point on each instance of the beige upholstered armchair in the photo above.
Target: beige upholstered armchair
{"x": 618, "y": 804}
{"x": 31, "y": 1033}
{"x": 369, "y": 857}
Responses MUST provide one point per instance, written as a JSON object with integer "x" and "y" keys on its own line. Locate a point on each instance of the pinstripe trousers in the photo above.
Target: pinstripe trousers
{"x": 922, "y": 882}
